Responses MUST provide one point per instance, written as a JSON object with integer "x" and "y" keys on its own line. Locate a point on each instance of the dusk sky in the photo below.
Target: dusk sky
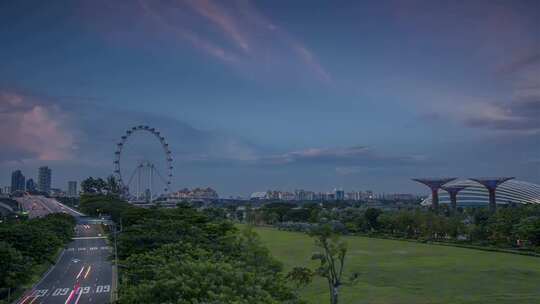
{"x": 258, "y": 95}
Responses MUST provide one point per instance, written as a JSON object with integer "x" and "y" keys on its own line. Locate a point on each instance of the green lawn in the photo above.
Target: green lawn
{"x": 407, "y": 272}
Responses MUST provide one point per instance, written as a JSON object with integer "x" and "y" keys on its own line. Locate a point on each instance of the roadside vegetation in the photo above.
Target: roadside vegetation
{"x": 28, "y": 247}
{"x": 182, "y": 255}
{"x": 513, "y": 227}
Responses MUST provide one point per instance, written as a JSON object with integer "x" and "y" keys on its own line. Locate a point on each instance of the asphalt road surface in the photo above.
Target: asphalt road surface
{"x": 83, "y": 273}
{"x": 38, "y": 206}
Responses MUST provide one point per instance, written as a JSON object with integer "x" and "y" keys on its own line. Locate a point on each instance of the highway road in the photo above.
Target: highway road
{"x": 83, "y": 273}
{"x": 38, "y": 206}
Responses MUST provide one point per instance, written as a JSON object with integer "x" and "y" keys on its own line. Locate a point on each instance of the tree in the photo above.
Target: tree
{"x": 88, "y": 185}
{"x": 112, "y": 185}
{"x": 275, "y": 212}
{"x": 331, "y": 258}
{"x": 94, "y": 185}
{"x": 529, "y": 229}
{"x": 298, "y": 215}
{"x": 300, "y": 276}
{"x": 372, "y": 214}
{"x": 188, "y": 257}
{"x": 25, "y": 243}
{"x": 13, "y": 267}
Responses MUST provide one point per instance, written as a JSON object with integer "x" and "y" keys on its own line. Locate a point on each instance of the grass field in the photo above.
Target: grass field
{"x": 407, "y": 272}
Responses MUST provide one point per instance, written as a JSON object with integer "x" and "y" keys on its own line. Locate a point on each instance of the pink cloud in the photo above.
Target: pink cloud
{"x": 237, "y": 34}
{"x": 260, "y": 23}
{"x": 310, "y": 61}
{"x": 32, "y": 129}
{"x": 220, "y": 17}
{"x": 185, "y": 34}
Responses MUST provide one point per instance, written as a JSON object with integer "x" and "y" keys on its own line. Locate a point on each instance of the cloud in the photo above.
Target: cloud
{"x": 33, "y": 128}
{"x": 235, "y": 32}
{"x": 77, "y": 137}
{"x": 350, "y": 156}
{"x": 521, "y": 112}
{"x": 518, "y": 115}
{"x": 99, "y": 135}
{"x": 222, "y": 19}
{"x": 522, "y": 62}
{"x": 81, "y": 131}
{"x": 186, "y": 34}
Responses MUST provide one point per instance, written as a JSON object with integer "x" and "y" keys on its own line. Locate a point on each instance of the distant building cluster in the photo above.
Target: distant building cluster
{"x": 19, "y": 184}
{"x": 194, "y": 194}
{"x": 336, "y": 195}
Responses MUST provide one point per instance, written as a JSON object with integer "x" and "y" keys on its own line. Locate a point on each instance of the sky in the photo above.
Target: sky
{"x": 258, "y": 95}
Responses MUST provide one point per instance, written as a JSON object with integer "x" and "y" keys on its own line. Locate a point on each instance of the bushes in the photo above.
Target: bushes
{"x": 29, "y": 243}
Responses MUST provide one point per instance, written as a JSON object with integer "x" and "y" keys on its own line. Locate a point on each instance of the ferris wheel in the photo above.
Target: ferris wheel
{"x": 142, "y": 177}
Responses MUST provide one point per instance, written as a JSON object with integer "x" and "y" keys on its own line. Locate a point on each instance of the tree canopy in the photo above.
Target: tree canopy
{"x": 183, "y": 255}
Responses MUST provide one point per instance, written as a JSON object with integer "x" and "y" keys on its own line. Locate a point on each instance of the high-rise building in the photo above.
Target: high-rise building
{"x": 355, "y": 196}
{"x": 44, "y": 179}
{"x": 72, "y": 188}
{"x": 17, "y": 181}
{"x": 30, "y": 185}
{"x": 339, "y": 194}
{"x": 300, "y": 195}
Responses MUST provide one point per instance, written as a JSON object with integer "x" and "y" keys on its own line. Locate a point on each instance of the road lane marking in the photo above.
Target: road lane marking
{"x": 89, "y": 237}
{"x": 82, "y": 290}
{"x": 60, "y": 292}
{"x": 87, "y": 271}
{"x": 80, "y": 272}
{"x": 85, "y": 290}
{"x": 103, "y": 288}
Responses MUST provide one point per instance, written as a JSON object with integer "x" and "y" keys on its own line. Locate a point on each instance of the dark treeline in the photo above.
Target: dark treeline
{"x": 30, "y": 245}
{"x": 515, "y": 227}
{"x": 182, "y": 255}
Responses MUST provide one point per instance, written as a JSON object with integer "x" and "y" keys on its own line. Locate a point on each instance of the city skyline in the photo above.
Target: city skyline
{"x": 72, "y": 186}
{"x": 254, "y": 95}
